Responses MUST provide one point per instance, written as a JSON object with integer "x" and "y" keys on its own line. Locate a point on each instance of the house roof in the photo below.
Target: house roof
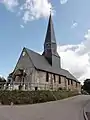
{"x": 40, "y": 63}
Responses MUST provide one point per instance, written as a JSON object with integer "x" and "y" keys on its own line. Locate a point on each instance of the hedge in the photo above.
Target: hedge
{"x": 32, "y": 97}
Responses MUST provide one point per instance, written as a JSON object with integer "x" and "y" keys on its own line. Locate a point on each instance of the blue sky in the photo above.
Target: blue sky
{"x": 71, "y": 22}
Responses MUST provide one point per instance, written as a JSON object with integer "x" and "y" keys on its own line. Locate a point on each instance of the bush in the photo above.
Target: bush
{"x": 31, "y": 97}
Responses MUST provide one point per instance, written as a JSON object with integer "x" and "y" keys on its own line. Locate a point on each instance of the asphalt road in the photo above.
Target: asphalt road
{"x": 87, "y": 111}
{"x": 68, "y": 109}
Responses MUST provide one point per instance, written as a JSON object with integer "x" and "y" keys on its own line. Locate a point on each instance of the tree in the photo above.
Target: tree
{"x": 86, "y": 85}
{"x": 2, "y": 82}
{"x": 9, "y": 80}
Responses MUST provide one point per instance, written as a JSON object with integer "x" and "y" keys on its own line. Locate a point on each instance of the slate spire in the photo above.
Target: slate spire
{"x": 50, "y": 35}
{"x": 50, "y": 46}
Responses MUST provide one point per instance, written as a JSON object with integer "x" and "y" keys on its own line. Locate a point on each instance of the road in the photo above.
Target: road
{"x": 67, "y": 109}
{"x": 87, "y": 111}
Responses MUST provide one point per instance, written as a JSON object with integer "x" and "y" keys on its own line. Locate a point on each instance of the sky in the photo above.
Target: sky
{"x": 23, "y": 23}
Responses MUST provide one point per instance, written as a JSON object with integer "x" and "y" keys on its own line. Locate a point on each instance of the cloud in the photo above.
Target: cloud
{"x": 74, "y": 25}
{"x": 29, "y": 10}
{"x": 22, "y": 26}
{"x": 10, "y": 4}
{"x": 63, "y": 1}
{"x": 35, "y": 9}
{"x": 76, "y": 58}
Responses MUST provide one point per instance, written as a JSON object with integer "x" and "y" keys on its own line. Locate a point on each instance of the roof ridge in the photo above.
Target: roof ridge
{"x": 33, "y": 51}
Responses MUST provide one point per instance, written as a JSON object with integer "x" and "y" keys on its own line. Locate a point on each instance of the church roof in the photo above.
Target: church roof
{"x": 40, "y": 63}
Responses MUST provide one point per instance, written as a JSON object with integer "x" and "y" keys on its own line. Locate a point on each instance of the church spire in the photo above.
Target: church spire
{"x": 50, "y": 35}
{"x": 50, "y": 46}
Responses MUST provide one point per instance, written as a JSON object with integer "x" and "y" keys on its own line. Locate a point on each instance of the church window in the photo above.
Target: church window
{"x": 47, "y": 77}
{"x": 59, "y": 79}
{"x": 24, "y": 53}
{"x": 68, "y": 82}
{"x": 71, "y": 82}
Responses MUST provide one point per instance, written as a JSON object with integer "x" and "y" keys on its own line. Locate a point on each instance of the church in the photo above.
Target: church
{"x": 44, "y": 72}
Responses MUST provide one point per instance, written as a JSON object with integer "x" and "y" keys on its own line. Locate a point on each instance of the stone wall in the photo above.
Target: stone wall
{"x": 40, "y": 80}
{"x": 37, "y": 79}
{"x": 63, "y": 82}
{"x": 73, "y": 86}
{"x": 26, "y": 64}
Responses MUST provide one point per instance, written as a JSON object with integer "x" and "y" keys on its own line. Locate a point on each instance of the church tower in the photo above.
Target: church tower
{"x": 50, "y": 46}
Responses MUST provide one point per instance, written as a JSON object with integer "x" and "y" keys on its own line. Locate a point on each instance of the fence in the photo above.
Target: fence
{"x": 35, "y": 86}
{"x": 27, "y": 86}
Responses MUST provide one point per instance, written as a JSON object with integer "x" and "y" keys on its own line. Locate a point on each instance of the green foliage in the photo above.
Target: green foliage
{"x": 32, "y": 97}
{"x": 86, "y": 86}
{"x": 2, "y": 82}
